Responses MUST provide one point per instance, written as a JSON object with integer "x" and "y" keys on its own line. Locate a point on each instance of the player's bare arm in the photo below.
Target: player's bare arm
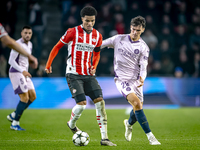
{"x": 26, "y": 74}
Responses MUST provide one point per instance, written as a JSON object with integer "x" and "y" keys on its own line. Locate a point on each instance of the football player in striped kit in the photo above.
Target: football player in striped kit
{"x": 130, "y": 65}
{"x": 83, "y": 42}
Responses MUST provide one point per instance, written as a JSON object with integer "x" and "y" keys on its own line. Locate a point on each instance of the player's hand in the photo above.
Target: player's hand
{"x": 48, "y": 70}
{"x": 141, "y": 82}
{"x": 33, "y": 61}
{"x": 26, "y": 74}
{"x": 92, "y": 70}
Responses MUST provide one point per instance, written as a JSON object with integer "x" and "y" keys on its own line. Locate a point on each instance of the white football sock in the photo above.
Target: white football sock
{"x": 75, "y": 115}
{"x": 14, "y": 123}
{"x": 102, "y": 118}
{"x": 149, "y": 134}
{"x": 13, "y": 114}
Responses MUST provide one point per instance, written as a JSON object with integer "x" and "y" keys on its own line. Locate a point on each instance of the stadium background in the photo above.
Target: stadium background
{"x": 172, "y": 33}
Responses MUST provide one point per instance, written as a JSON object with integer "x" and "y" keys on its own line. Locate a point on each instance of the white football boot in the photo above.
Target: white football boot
{"x": 152, "y": 139}
{"x": 128, "y": 130}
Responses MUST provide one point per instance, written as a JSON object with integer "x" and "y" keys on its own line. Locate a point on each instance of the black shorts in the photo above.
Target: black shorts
{"x": 81, "y": 85}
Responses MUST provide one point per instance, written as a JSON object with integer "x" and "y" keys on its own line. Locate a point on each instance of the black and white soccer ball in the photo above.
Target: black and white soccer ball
{"x": 80, "y": 138}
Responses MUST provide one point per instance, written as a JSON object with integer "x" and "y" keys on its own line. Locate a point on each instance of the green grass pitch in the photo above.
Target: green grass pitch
{"x": 46, "y": 129}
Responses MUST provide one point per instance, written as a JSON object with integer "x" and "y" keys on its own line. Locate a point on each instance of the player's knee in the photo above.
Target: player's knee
{"x": 32, "y": 98}
{"x": 137, "y": 105}
{"x": 82, "y": 103}
{"x": 24, "y": 99}
{"x": 98, "y": 99}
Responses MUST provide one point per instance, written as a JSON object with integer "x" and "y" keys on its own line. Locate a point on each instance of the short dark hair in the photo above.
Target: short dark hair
{"x": 88, "y": 11}
{"x": 26, "y": 27}
{"x": 138, "y": 21}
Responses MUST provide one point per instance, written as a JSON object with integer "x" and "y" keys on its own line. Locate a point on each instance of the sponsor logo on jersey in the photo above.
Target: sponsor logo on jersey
{"x": 84, "y": 47}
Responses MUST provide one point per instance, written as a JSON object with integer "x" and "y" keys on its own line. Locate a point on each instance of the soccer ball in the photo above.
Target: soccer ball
{"x": 80, "y": 138}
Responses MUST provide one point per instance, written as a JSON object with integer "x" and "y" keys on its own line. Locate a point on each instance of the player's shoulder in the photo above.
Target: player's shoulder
{"x": 143, "y": 43}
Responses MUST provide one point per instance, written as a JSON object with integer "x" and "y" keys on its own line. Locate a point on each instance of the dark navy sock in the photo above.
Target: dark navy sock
{"x": 141, "y": 118}
{"x": 27, "y": 104}
{"x": 132, "y": 119}
{"x": 19, "y": 110}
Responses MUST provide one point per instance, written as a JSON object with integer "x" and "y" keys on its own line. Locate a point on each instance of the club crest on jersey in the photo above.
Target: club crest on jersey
{"x": 136, "y": 51}
{"x": 94, "y": 40}
{"x": 74, "y": 90}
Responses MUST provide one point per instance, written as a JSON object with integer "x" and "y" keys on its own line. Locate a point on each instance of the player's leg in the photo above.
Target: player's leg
{"x": 76, "y": 112}
{"x": 32, "y": 97}
{"x": 76, "y": 87}
{"x": 19, "y": 111}
{"x": 93, "y": 90}
{"x": 141, "y": 118}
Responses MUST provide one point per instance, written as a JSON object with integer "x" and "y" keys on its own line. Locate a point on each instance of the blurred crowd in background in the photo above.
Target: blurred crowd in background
{"x": 172, "y": 32}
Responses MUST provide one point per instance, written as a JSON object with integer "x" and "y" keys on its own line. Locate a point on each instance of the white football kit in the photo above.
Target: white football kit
{"x": 130, "y": 62}
{"x": 18, "y": 64}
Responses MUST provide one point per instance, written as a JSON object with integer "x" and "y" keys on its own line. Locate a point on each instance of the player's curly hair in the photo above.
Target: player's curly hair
{"x": 138, "y": 21}
{"x": 88, "y": 11}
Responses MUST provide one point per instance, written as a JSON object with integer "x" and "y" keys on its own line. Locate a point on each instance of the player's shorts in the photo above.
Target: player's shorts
{"x": 127, "y": 87}
{"x": 20, "y": 83}
{"x": 81, "y": 85}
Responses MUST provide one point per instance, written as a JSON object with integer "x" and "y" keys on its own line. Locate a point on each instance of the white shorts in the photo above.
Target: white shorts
{"x": 127, "y": 87}
{"x": 20, "y": 83}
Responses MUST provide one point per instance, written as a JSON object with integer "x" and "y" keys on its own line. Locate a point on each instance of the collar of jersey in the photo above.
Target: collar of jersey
{"x": 132, "y": 40}
{"x": 86, "y": 30}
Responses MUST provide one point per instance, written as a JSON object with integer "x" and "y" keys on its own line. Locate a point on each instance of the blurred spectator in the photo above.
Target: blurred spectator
{"x": 10, "y": 16}
{"x": 181, "y": 15}
{"x": 119, "y": 23}
{"x": 167, "y": 8}
{"x": 180, "y": 36}
{"x": 151, "y": 10}
{"x": 151, "y": 25}
{"x": 166, "y": 22}
{"x": 71, "y": 18}
{"x": 3, "y": 66}
{"x": 166, "y": 35}
{"x": 185, "y": 64}
{"x": 165, "y": 49}
{"x": 196, "y": 64}
{"x": 156, "y": 69}
{"x": 149, "y": 37}
{"x": 38, "y": 23}
{"x": 195, "y": 37}
{"x": 132, "y": 11}
{"x": 167, "y": 66}
{"x": 178, "y": 73}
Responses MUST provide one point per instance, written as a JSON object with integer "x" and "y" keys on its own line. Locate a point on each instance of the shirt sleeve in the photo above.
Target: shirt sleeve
{"x": 53, "y": 53}
{"x": 143, "y": 62}
{"x": 68, "y": 36}
{"x": 108, "y": 42}
{"x": 12, "y": 60}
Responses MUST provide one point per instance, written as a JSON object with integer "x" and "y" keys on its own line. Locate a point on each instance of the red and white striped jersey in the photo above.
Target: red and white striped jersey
{"x": 2, "y": 31}
{"x": 80, "y": 48}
